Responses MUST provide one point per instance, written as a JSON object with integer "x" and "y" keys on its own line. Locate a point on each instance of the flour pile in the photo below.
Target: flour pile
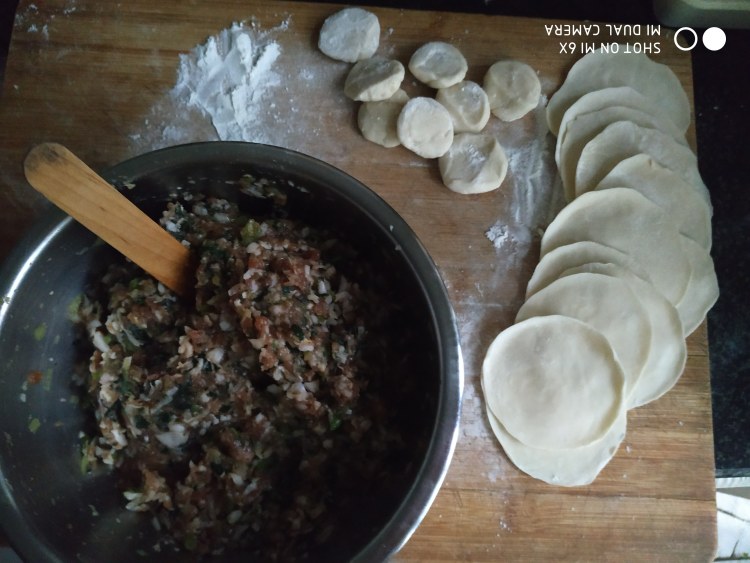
{"x": 255, "y": 84}
{"x": 230, "y": 78}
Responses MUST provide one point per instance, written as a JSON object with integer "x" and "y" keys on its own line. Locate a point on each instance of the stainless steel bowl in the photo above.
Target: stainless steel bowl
{"x": 50, "y": 510}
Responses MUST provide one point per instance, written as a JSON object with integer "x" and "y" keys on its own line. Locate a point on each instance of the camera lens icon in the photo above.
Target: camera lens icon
{"x": 714, "y": 38}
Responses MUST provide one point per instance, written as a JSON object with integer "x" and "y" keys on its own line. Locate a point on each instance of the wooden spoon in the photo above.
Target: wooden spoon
{"x": 72, "y": 186}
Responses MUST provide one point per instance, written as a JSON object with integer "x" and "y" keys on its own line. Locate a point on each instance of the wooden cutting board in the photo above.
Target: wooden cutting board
{"x": 97, "y": 76}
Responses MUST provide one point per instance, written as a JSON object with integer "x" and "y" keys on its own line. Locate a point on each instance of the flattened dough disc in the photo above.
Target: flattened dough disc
{"x": 546, "y": 396}
{"x": 599, "y": 69}
{"x": 667, "y": 351}
{"x": 567, "y": 468}
{"x": 557, "y": 261}
{"x": 625, "y": 220}
{"x": 623, "y": 96}
{"x": 703, "y": 289}
{"x": 667, "y": 190}
{"x": 608, "y": 305}
{"x": 586, "y": 126}
{"x": 624, "y": 139}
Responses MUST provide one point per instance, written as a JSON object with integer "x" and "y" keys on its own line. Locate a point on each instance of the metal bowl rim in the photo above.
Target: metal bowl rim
{"x": 417, "y": 501}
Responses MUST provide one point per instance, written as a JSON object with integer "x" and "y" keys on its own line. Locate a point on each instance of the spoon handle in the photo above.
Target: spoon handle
{"x": 75, "y": 188}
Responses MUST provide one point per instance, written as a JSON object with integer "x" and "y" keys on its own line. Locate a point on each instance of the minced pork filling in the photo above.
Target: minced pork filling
{"x": 235, "y": 417}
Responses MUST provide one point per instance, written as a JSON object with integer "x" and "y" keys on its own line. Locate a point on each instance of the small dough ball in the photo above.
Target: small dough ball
{"x": 425, "y": 127}
{"x": 468, "y": 105}
{"x": 377, "y": 120}
{"x": 438, "y": 64}
{"x": 374, "y": 79}
{"x": 513, "y": 88}
{"x": 475, "y": 163}
{"x": 350, "y": 35}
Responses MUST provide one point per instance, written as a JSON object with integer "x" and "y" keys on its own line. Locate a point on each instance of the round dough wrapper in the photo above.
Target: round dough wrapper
{"x": 623, "y": 96}
{"x": 703, "y": 289}
{"x": 667, "y": 190}
{"x": 608, "y": 305}
{"x": 438, "y": 64}
{"x": 547, "y": 397}
{"x": 350, "y": 35}
{"x": 625, "y": 220}
{"x": 468, "y": 105}
{"x": 584, "y": 127}
{"x": 374, "y": 79}
{"x": 475, "y": 163}
{"x": 554, "y": 263}
{"x": 667, "y": 351}
{"x": 377, "y": 120}
{"x": 425, "y": 127}
{"x": 599, "y": 69}
{"x": 572, "y": 467}
{"x": 513, "y": 89}
{"x": 624, "y": 139}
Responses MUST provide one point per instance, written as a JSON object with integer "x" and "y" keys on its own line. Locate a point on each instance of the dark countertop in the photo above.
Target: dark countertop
{"x": 721, "y": 88}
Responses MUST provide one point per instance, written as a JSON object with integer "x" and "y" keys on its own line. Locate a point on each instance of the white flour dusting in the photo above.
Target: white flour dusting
{"x": 498, "y": 234}
{"x": 473, "y": 424}
{"x": 536, "y": 191}
{"x": 230, "y": 78}
{"x": 534, "y": 199}
{"x": 254, "y": 84}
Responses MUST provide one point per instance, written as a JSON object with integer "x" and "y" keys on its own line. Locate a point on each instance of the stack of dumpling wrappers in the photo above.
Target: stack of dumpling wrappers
{"x": 624, "y": 276}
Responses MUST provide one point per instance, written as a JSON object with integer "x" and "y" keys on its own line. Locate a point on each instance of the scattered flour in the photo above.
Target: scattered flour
{"x": 533, "y": 186}
{"x": 44, "y": 30}
{"x": 23, "y": 16}
{"x": 495, "y": 473}
{"x": 537, "y": 196}
{"x": 472, "y": 421}
{"x": 254, "y": 84}
{"x": 513, "y": 239}
{"x": 498, "y": 234}
{"x": 534, "y": 198}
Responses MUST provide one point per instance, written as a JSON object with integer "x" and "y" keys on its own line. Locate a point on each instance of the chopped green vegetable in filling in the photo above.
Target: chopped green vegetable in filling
{"x": 233, "y": 418}
{"x": 40, "y": 331}
{"x": 34, "y": 425}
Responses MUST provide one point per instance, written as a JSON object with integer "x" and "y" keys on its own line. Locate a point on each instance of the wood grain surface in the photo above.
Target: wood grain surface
{"x": 96, "y": 76}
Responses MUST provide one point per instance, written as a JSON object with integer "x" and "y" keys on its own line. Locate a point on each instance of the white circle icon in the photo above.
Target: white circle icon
{"x": 687, "y": 30}
{"x": 714, "y": 38}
